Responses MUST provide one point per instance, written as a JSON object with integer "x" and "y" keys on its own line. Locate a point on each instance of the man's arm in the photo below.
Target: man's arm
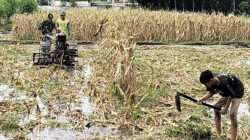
{"x": 57, "y": 24}
{"x": 205, "y": 97}
{"x": 68, "y": 28}
{"x": 225, "y": 108}
{"x": 56, "y": 28}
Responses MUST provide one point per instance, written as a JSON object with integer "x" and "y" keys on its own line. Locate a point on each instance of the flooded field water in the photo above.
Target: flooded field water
{"x": 243, "y": 111}
{"x": 3, "y": 138}
{"x": 67, "y": 134}
{"x": 84, "y": 106}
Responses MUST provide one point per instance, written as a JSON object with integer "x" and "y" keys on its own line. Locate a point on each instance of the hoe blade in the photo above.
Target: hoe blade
{"x": 178, "y": 102}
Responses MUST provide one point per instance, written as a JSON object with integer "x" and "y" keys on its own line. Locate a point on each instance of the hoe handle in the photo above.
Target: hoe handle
{"x": 194, "y": 100}
{"x": 211, "y": 106}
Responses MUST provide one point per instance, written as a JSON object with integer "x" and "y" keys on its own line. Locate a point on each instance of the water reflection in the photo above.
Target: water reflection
{"x": 8, "y": 93}
{"x": 243, "y": 111}
{"x": 3, "y": 138}
{"x": 67, "y": 134}
{"x": 243, "y": 62}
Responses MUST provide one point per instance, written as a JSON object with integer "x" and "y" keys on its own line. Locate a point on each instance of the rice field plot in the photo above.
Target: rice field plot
{"x": 178, "y": 69}
{"x": 157, "y": 74}
{"x": 46, "y": 103}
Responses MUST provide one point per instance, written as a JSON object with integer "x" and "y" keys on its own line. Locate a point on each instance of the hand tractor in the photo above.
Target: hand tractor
{"x": 65, "y": 54}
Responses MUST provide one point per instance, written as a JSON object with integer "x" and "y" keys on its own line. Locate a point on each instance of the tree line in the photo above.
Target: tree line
{"x": 209, "y": 6}
{"x": 10, "y": 7}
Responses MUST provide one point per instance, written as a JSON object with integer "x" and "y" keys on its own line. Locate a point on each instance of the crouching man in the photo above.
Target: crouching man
{"x": 231, "y": 89}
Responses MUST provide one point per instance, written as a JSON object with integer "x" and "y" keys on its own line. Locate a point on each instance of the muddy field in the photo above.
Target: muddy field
{"x": 52, "y": 103}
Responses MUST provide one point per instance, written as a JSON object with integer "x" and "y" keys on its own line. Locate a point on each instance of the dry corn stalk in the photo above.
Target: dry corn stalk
{"x": 148, "y": 25}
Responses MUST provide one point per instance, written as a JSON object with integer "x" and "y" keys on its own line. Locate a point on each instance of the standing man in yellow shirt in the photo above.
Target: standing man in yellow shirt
{"x": 63, "y": 24}
{"x": 61, "y": 44}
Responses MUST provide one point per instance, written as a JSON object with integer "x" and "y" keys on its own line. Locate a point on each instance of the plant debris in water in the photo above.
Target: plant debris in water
{"x": 131, "y": 88}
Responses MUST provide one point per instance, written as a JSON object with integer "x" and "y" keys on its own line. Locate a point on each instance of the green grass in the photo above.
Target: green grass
{"x": 7, "y": 26}
{"x": 138, "y": 114}
{"x": 54, "y": 124}
{"x": 10, "y": 124}
{"x": 154, "y": 95}
{"x": 193, "y": 128}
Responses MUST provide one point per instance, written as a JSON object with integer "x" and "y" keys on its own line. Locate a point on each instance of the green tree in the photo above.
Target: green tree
{"x": 27, "y": 6}
{"x": 63, "y": 3}
{"x": 9, "y": 8}
{"x": 244, "y": 7}
{"x": 2, "y": 9}
{"x": 44, "y": 2}
{"x": 225, "y": 6}
{"x": 73, "y": 3}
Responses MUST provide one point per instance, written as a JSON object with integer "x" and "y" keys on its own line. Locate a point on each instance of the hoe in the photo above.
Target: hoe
{"x": 178, "y": 101}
